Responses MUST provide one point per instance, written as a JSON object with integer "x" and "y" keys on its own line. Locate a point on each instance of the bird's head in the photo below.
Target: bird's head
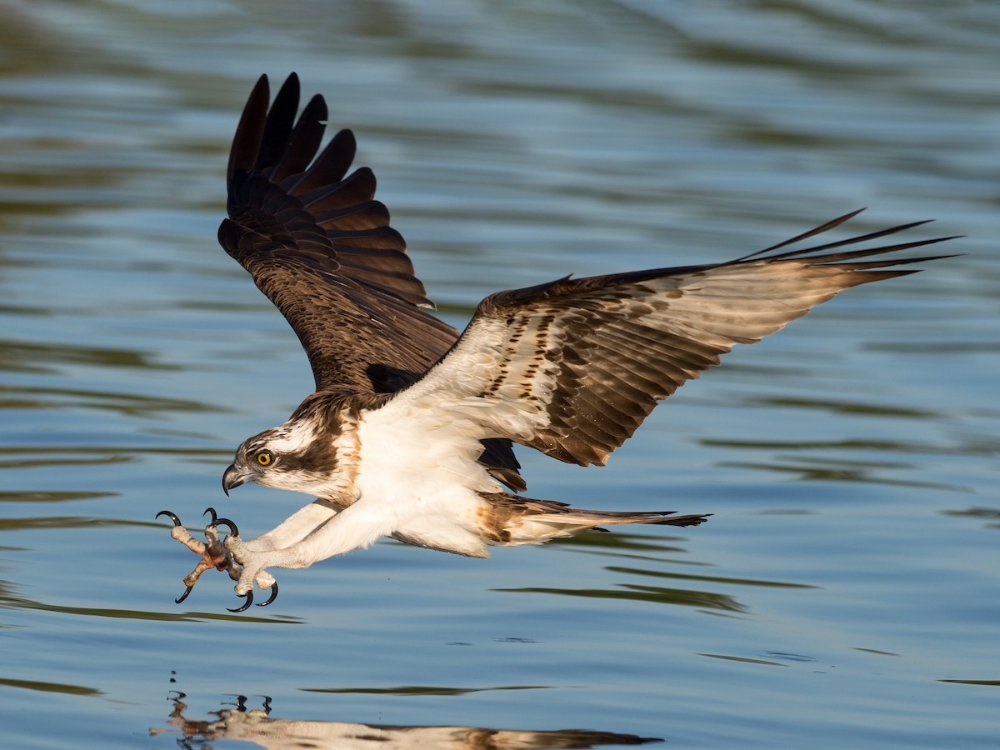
{"x": 289, "y": 457}
{"x": 256, "y": 460}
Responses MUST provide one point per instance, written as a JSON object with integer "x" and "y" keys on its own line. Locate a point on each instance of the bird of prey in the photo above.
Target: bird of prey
{"x": 409, "y": 432}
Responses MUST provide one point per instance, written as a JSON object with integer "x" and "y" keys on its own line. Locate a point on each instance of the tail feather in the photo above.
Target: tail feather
{"x": 527, "y": 521}
{"x": 612, "y": 518}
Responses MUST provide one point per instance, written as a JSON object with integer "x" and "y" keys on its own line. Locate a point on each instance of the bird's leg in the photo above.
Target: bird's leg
{"x": 231, "y": 554}
{"x": 213, "y": 553}
{"x": 319, "y": 533}
{"x": 291, "y": 531}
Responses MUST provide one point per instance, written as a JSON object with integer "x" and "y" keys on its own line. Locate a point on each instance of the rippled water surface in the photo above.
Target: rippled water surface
{"x": 847, "y": 589}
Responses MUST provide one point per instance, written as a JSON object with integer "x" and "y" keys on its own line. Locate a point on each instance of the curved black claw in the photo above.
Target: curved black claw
{"x": 226, "y": 522}
{"x": 172, "y": 516}
{"x": 184, "y": 596}
{"x": 272, "y": 597}
{"x": 247, "y": 603}
{"x": 211, "y": 511}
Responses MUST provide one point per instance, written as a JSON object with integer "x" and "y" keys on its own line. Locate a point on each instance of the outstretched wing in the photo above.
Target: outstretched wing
{"x": 320, "y": 247}
{"x": 573, "y": 367}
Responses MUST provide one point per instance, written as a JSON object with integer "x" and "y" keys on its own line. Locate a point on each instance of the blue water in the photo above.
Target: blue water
{"x": 847, "y": 589}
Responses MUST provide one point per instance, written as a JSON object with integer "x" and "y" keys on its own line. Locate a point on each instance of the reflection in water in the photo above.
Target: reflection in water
{"x": 817, "y": 469}
{"x": 48, "y": 687}
{"x": 48, "y": 496}
{"x": 991, "y": 516}
{"x": 10, "y": 600}
{"x": 134, "y": 405}
{"x": 712, "y": 579}
{"x": 656, "y": 551}
{"x": 259, "y": 727}
{"x": 868, "y": 446}
{"x": 30, "y": 356}
{"x": 844, "y": 407}
{"x": 428, "y": 689}
{"x": 656, "y": 594}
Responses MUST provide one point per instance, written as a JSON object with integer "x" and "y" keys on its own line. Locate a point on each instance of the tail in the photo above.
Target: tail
{"x": 527, "y": 521}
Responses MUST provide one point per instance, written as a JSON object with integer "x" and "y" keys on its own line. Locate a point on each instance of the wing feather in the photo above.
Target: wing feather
{"x": 343, "y": 280}
{"x": 329, "y": 167}
{"x": 573, "y": 367}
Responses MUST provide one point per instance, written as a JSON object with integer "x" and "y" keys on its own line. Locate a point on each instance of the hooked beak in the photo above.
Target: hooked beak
{"x": 234, "y": 477}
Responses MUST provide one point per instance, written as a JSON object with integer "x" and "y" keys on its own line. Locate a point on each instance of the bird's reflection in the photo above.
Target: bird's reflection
{"x": 258, "y": 726}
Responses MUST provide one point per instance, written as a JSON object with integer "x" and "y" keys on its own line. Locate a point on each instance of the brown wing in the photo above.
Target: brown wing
{"x": 321, "y": 248}
{"x": 319, "y": 245}
{"x": 573, "y": 367}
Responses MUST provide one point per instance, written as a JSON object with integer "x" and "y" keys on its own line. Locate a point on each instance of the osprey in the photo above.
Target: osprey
{"x": 409, "y": 432}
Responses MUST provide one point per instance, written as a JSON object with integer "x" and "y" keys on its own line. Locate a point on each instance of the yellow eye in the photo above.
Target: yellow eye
{"x": 264, "y": 458}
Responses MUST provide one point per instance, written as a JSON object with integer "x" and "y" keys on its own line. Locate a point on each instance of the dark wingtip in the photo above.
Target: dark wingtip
{"x": 246, "y": 142}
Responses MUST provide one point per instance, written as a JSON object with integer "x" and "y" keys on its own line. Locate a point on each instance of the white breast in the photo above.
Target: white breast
{"x": 425, "y": 474}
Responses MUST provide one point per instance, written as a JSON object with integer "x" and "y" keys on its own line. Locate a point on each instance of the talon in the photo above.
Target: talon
{"x": 184, "y": 596}
{"x": 233, "y": 530}
{"x": 172, "y": 516}
{"x": 247, "y": 603}
{"x": 212, "y": 512}
{"x": 272, "y": 597}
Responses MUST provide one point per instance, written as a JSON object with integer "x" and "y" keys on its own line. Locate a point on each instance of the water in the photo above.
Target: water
{"x": 844, "y": 593}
